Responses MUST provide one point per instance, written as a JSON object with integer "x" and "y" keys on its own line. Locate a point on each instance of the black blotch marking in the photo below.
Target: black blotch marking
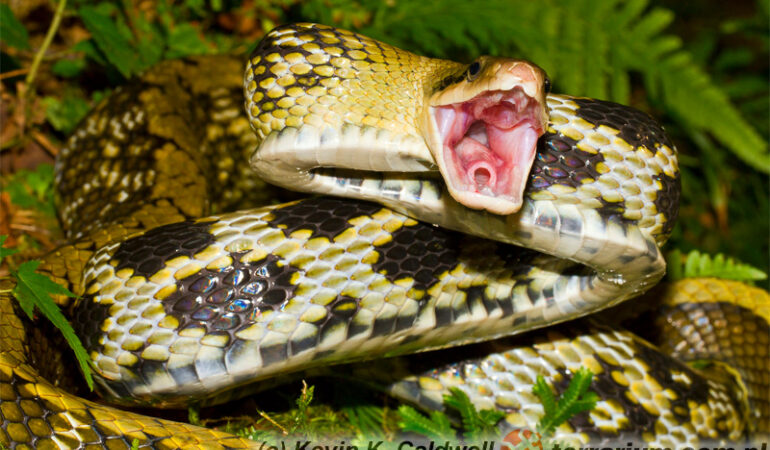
{"x": 324, "y": 216}
{"x": 636, "y": 127}
{"x": 625, "y": 259}
{"x": 550, "y": 300}
{"x": 86, "y": 319}
{"x": 228, "y": 300}
{"x": 560, "y": 161}
{"x": 184, "y": 375}
{"x": 443, "y": 316}
{"x": 477, "y": 295}
{"x": 302, "y": 345}
{"x": 354, "y": 329}
{"x": 383, "y": 326}
{"x": 519, "y": 320}
{"x": 343, "y": 306}
{"x": 660, "y": 366}
{"x": 419, "y": 251}
{"x": 148, "y": 253}
{"x": 332, "y": 325}
{"x": 667, "y": 200}
{"x": 273, "y": 354}
{"x": 571, "y": 225}
{"x": 404, "y": 322}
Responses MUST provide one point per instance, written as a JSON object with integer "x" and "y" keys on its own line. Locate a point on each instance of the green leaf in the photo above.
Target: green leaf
{"x": 32, "y": 189}
{"x": 13, "y": 32}
{"x": 185, "y": 40}
{"x": 64, "y": 114}
{"x": 150, "y": 44}
{"x": 194, "y": 414}
{"x": 34, "y": 290}
{"x": 674, "y": 268}
{"x": 89, "y": 48}
{"x": 697, "y": 264}
{"x": 69, "y": 68}
{"x": 117, "y": 49}
{"x": 437, "y": 426}
{"x": 5, "y": 251}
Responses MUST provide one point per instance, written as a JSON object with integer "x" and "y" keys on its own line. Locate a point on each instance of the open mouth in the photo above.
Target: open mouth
{"x": 489, "y": 146}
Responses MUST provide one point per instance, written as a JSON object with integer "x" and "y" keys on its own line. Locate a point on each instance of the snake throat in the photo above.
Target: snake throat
{"x": 490, "y": 144}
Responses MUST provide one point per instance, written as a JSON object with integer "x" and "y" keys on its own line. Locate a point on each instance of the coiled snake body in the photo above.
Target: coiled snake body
{"x": 200, "y": 304}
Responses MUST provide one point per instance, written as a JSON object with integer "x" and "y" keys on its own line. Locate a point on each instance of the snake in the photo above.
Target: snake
{"x": 479, "y": 206}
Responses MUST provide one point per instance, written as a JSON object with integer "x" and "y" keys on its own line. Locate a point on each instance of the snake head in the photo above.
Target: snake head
{"x": 483, "y": 127}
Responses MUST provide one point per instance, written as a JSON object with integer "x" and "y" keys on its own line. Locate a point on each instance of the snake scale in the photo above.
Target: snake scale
{"x": 178, "y": 305}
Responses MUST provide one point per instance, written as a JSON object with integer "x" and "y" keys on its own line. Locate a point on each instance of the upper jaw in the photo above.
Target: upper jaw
{"x": 485, "y": 144}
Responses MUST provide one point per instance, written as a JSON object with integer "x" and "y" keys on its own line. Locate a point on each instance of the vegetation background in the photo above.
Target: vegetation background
{"x": 700, "y": 67}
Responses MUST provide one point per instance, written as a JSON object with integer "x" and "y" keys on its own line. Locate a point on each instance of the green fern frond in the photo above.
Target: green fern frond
{"x": 689, "y": 95}
{"x": 475, "y": 423}
{"x": 547, "y": 398}
{"x": 367, "y": 419}
{"x": 574, "y": 400}
{"x": 697, "y": 264}
{"x": 437, "y": 426}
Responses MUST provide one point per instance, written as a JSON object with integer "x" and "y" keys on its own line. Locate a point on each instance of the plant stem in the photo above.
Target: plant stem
{"x": 30, "y": 80}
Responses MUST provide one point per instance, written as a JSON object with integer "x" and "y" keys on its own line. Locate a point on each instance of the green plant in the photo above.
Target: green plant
{"x": 697, "y": 264}
{"x": 32, "y": 189}
{"x": 33, "y": 291}
{"x": 476, "y": 425}
{"x": 574, "y": 400}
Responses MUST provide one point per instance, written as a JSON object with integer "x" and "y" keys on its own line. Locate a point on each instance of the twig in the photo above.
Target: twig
{"x": 270, "y": 419}
{"x": 14, "y": 73}
{"x": 30, "y": 80}
{"x": 44, "y": 142}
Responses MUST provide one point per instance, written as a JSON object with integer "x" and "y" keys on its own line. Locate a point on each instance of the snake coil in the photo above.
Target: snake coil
{"x": 178, "y": 305}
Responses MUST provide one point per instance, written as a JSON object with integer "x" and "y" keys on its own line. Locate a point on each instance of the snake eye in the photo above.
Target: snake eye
{"x": 473, "y": 70}
{"x": 547, "y": 85}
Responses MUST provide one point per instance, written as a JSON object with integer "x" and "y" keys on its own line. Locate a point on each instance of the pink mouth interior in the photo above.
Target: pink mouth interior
{"x": 489, "y": 142}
